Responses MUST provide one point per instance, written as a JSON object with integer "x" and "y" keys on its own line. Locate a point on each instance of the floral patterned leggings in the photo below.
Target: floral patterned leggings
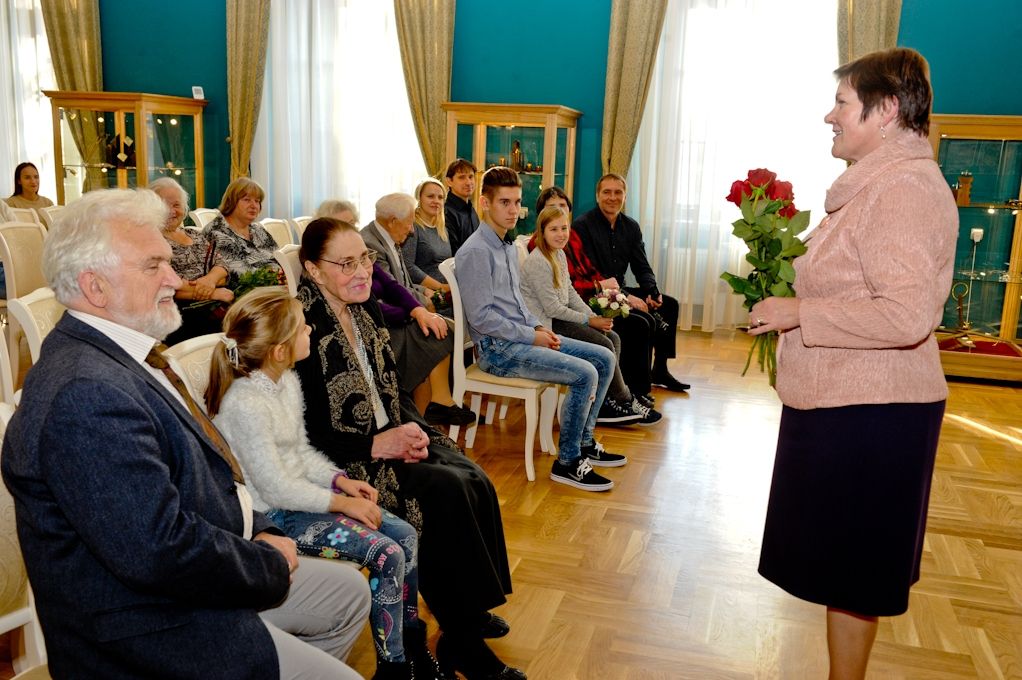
{"x": 389, "y": 553}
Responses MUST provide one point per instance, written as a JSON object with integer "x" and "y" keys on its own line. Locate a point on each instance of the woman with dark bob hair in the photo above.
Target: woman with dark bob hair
{"x": 858, "y": 369}
{"x": 359, "y": 417}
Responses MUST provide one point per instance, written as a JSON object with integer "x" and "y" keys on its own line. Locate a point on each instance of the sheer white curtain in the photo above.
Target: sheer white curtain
{"x": 25, "y": 71}
{"x": 739, "y": 84}
{"x": 335, "y": 120}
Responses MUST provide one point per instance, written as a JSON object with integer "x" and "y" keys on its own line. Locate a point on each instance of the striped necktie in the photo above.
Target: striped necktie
{"x": 156, "y": 359}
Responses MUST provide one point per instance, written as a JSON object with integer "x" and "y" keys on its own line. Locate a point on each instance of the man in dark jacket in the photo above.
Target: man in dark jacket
{"x": 142, "y": 547}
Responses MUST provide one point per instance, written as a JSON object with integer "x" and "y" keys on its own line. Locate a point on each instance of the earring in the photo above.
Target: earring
{"x": 883, "y": 132}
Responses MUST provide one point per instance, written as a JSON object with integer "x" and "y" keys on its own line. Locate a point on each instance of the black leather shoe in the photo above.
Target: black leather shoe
{"x": 494, "y": 626}
{"x": 669, "y": 382}
{"x": 448, "y": 415}
{"x": 474, "y": 660}
{"x": 424, "y": 664}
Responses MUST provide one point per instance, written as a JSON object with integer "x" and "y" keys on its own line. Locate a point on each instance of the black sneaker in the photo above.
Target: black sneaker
{"x": 649, "y": 416}
{"x": 669, "y": 382}
{"x": 616, "y": 413}
{"x": 447, "y": 415}
{"x": 580, "y": 475}
{"x": 647, "y": 400}
{"x": 600, "y": 457}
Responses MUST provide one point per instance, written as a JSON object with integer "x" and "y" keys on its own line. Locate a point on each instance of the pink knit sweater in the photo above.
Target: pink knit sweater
{"x": 873, "y": 284}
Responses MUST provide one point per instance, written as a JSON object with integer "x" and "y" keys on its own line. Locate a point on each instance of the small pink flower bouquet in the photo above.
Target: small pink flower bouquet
{"x": 610, "y": 303}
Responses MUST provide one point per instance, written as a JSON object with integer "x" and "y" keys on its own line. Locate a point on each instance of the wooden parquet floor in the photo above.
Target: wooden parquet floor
{"x": 657, "y": 579}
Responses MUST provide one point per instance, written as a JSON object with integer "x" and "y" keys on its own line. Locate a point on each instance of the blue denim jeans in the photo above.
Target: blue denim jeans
{"x": 390, "y": 555}
{"x": 585, "y": 368}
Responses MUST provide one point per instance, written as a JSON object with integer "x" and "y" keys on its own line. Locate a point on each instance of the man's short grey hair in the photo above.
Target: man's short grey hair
{"x": 330, "y": 208}
{"x": 170, "y": 184}
{"x": 393, "y": 206}
{"x": 80, "y": 239}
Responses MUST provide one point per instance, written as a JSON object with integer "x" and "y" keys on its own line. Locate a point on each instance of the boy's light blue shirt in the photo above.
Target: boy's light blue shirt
{"x": 487, "y": 271}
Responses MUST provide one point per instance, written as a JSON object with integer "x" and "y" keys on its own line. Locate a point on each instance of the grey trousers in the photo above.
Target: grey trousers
{"x": 315, "y": 628}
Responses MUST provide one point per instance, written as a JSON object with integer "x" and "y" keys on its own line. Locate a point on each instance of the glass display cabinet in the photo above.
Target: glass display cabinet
{"x": 537, "y": 141}
{"x": 126, "y": 139}
{"x": 981, "y": 158}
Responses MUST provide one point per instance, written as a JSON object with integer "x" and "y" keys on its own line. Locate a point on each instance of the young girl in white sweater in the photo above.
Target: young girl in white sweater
{"x": 255, "y": 399}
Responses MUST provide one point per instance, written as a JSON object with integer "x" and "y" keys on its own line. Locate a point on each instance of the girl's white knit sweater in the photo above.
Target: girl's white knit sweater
{"x": 264, "y": 423}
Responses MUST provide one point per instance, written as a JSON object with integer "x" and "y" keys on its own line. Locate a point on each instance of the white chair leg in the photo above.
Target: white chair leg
{"x": 548, "y": 406}
{"x": 470, "y": 432}
{"x": 531, "y": 416}
{"x": 491, "y": 408}
{"x": 562, "y": 394}
{"x": 504, "y": 403}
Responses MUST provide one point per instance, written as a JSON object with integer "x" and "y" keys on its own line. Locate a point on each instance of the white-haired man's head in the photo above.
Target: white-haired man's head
{"x": 396, "y": 214}
{"x": 105, "y": 256}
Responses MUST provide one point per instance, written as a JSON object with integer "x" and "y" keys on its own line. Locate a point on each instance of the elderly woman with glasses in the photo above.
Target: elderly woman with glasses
{"x": 357, "y": 414}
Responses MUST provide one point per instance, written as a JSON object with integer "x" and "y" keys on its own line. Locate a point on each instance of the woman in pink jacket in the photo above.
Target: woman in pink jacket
{"x": 858, "y": 369}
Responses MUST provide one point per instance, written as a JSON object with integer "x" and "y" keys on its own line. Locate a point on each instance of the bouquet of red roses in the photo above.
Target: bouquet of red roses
{"x": 769, "y": 226}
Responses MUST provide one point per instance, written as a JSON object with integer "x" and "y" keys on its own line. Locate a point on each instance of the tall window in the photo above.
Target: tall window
{"x": 25, "y": 71}
{"x": 335, "y": 120}
{"x": 738, "y": 84}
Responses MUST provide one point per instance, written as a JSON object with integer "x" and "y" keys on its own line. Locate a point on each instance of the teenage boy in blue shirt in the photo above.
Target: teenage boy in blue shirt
{"x": 512, "y": 342}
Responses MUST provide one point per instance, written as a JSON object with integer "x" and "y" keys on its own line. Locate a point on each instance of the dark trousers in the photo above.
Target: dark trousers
{"x": 636, "y": 333}
{"x": 664, "y": 335}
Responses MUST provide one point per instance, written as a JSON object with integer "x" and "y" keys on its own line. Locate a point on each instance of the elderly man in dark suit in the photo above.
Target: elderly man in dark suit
{"x": 394, "y": 223}
{"x": 142, "y": 548}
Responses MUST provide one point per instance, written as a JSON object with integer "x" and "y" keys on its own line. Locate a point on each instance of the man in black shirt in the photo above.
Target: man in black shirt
{"x": 460, "y": 217}
{"x": 613, "y": 241}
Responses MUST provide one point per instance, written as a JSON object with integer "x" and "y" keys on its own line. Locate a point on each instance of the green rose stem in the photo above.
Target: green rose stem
{"x": 769, "y": 226}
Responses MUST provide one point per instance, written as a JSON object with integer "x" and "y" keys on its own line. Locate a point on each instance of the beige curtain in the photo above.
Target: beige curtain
{"x": 72, "y": 29}
{"x": 248, "y": 28}
{"x": 635, "y": 27}
{"x": 425, "y": 30}
{"x": 864, "y": 26}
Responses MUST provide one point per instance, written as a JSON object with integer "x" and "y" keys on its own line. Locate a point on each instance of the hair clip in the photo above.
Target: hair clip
{"x": 231, "y": 347}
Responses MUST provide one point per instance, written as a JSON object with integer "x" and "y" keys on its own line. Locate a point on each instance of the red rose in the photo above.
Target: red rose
{"x": 761, "y": 177}
{"x": 737, "y": 189}
{"x": 788, "y": 211}
{"x": 780, "y": 191}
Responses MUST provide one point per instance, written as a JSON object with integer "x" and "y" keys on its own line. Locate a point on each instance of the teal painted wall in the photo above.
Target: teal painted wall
{"x": 166, "y": 48}
{"x": 539, "y": 52}
{"x": 973, "y": 50}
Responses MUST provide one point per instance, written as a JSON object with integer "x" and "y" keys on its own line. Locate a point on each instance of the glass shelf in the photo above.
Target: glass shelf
{"x": 125, "y": 139}
{"x": 537, "y": 141}
{"x": 981, "y": 159}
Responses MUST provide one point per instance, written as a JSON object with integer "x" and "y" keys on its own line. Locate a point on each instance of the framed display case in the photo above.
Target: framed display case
{"x": 126, "y": 139}
{"x": 537, "y": 141}
{"x": 981, "y": 158}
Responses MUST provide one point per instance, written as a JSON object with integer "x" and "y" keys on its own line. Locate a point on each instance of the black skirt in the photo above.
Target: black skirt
{"x": 848, "y": 501}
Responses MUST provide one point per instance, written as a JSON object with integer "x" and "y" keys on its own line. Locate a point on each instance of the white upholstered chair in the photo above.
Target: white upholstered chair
{"x": 287, "y": 257}
{"x": 203, "y": 216}
{"x": 299, "y": 224}
{"x": 21, "y": 252}
{"x": 190, "y": 359}
{"x": 35, "y": 314}
{"x": 47, "y": 215}
{"x": 473, "y": 379}
{"x": 280, "y": 230}
{"x": 26, "y": 215}
{"x": 17, "y": 609}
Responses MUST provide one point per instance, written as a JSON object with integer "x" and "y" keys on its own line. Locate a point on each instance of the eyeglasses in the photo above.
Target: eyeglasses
{"x": 348, "y": 267}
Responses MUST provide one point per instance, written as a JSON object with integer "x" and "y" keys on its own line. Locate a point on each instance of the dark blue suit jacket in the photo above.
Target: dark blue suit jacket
{"x": 130, "y": 524}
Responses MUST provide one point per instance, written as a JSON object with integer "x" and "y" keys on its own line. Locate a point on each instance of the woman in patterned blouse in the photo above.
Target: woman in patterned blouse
{"x": 241, "y": 242}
